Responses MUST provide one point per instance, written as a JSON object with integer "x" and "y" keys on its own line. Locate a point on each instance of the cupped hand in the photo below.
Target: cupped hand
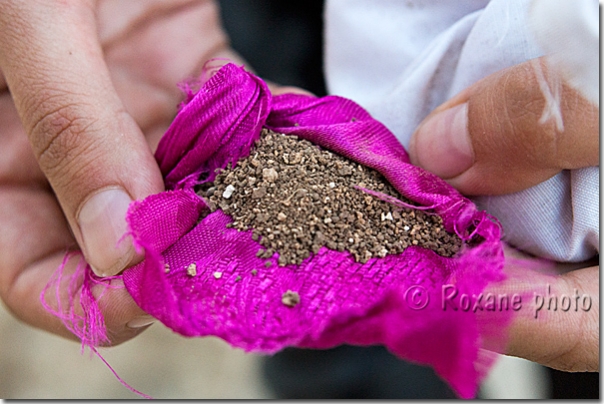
{"x": 507, "y": 132}
{"x": 86, "y": 90}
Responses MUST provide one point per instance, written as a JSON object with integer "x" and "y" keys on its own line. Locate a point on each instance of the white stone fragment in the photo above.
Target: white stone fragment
{"x": 228, "y": 192}
{"x": 387, "y": 216}
{"x": 192, "y": 269}
{"x": 270, "y": 174}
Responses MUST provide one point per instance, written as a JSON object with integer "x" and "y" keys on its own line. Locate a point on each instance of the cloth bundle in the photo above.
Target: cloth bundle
{"x": 396, "y": 300}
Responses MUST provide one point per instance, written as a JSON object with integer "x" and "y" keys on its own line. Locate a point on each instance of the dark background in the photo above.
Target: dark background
{"x": 281, "y": 40}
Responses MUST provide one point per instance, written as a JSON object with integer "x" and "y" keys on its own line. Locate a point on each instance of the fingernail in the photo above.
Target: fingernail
{"x": 141, "y": 322}
{"x": 102, "y": 222}
{"x": 442, "y": 144}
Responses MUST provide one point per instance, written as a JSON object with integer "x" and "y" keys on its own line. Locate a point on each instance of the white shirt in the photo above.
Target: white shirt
{"x": 400, "y": 59}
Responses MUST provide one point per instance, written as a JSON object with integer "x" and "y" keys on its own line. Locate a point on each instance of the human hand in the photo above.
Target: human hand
{"x": 489, "y": 140}
{"x": 87, "y": 88}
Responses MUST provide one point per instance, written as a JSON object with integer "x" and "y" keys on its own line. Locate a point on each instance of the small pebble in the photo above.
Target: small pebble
{"x": 192, "y": 269}
{"x": 387, "y": 216}
{"x": 270, "y": 174}
{"x": 290, "y": 298}
{"x": 217, "y": 275}
{"x": 228, "y": 191}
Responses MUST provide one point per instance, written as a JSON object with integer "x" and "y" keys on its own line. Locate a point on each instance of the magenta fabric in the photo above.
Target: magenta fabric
{"x": 342, "y": 301}
{"x": 394, "y": 301}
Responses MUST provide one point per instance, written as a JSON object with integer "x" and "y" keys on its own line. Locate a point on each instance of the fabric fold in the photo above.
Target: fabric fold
{"x": 235, "y": 296}
{"x": 201, "y": 278}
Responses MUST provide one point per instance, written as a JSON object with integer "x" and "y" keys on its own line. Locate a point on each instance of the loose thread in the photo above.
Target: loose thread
{"x": 126, "y": 385}
{"x": 394, "y": 201}
{"x": 90, "y": 327}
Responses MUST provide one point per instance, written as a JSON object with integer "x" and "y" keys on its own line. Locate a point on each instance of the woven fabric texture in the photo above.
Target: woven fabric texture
{"x": 396, "y": 300}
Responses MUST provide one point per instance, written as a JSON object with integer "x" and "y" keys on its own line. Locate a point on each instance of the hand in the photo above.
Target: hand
{"x": 564, "y": 340}
{"x": 489, "y": 140}
{"x": 86, "y": 90}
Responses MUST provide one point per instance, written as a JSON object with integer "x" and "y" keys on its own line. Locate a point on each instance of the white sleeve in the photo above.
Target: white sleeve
{"x": 401, "y": 59}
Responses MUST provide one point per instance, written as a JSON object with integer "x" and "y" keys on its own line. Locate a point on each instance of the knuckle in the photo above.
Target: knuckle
{"x": 59, "y": 133}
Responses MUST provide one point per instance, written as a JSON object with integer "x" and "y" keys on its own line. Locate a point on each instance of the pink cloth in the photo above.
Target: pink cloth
{"x": 395, "y": 301}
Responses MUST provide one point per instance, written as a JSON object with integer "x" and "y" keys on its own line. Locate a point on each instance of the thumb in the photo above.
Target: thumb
{"x": 92, "y": 152}
{"x": 496, "y": 136}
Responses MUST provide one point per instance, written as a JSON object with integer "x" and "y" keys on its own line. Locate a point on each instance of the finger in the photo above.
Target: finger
{"x": 138, "y": 42}
{"x": 33, "y": 241}
{"x": 558, "y": 322}
{"x": 493, "y": 138}
{"x": 92, "y": 152}
{"x": 149, "y": 35}
{"x": 123, "y": 17}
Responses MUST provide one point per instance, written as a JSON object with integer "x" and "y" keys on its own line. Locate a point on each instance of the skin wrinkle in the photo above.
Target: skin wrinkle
{"x": 22, "y": 30}
{"x": 17, "y": 24}
{"x": 561, "y": 360}
{"x": 558, "y": 357}
{"x": 89, "y": 165}
{"x": 34, "y": 105}
{"x": 29, "y": 277}
{"x": 504, "y": 125}
{"x": 587, "y": 336}
{"x": 512, "y": 150}
{"x": 56, "y": 131}
{"x": 520, "y": 116}
{"x": 572, "y": 103}
{"x": 576, "y": 346}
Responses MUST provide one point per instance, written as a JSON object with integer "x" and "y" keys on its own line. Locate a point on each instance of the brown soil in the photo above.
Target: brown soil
{"x": 298, "y": 197}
